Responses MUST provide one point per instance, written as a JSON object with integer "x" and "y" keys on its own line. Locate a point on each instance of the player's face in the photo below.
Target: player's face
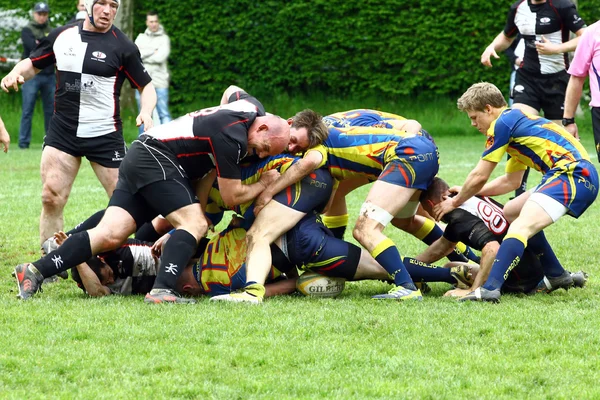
{"x": 107, "y": 276}
{"x": 104, "y": 13}
{"x": 152, "y": 22}
{"x": 80, "y": 5}
{"x": 40, "y": 17}
{"x": 298, "y": 140}
{"x": 481, "y": 120}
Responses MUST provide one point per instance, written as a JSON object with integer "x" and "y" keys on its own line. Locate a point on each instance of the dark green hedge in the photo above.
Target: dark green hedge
{"x": 387, "y": 48}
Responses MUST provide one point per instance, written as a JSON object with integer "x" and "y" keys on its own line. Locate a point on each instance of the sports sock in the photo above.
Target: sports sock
{"x": 147, "y": 233}
{"x": 509, "y": 255}
{"x": 540, "y": 246}
{"x": 387, "y": 255}
{"x": 74, "y": 251}
{"x": 430, "y": 232}
{"x": 337, "y": 224}
{"x": 467, "y": 252}
{"x": 423, "y": 272}
{"x": 88, "y": 224}
{"x": 177, "y": 252}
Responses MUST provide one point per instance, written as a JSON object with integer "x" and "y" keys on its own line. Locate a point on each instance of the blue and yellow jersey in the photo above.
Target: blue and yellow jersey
{"x": 361, "y": 117}
{"x": 222, "y": 268}
{"x": 359, "y": 151}
{"x": 531, "y": 141}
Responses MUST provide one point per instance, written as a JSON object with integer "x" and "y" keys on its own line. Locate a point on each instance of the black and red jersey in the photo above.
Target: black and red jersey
{"x": 90, "y": 70}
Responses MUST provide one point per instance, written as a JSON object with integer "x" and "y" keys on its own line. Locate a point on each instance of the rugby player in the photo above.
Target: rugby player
{"x": 569, "y": 183}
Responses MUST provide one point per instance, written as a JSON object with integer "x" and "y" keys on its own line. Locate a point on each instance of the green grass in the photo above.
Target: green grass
{"x": 62, "y": 344}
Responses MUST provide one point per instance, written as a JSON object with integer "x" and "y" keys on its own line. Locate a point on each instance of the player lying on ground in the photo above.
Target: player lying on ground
{"x": 480, "y": 223}
{"x": 569, "y": 183}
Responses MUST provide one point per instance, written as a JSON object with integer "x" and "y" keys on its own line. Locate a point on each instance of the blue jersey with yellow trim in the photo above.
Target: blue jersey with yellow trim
{"x": 360, "y": 151}
{"x": 531, "y": 141}
{"x": 361, "y": 117}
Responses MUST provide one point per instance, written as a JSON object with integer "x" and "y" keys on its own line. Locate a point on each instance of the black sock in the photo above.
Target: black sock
{"x": 177, "y": 252}
{"x": 147, "y": 233}
{"x": 75, "y": 250}
{"x": 88, "y": 224}
{"x": 339, "y": 231}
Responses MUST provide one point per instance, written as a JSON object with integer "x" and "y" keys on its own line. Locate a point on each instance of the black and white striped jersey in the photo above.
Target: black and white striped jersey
{"x": 553, "y": 19}
{"x": 90, "y": 70}
{"x": 214, "y": 137}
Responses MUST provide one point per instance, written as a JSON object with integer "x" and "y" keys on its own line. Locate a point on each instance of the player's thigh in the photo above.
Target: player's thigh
{"x": 113, "y": 229}
{"x": 189, "y": 218}
{"x": 274, "y": 220}
{"x": 526, "y": 96}
{"x": 513, "y": 207}
{"x": 390, "y": 197}
{"x": 107, "y": 177}
{"x": 532, "y": 219}
{"x": 368, "y": 268}
{"x": 58, "y": 170}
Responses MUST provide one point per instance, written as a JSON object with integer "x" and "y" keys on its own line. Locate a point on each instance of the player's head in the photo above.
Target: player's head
{"x": 102, "y": 13}
{"x": 483, "y": 102}
{"x": 152, "y": 21}
{"x": 80, "y": 5}
{"x": 434, "y": 194}
{"x": 307, "y": 130}
{"x": 41, "y": 10}
{"x": 269, "y": 135}
{"x": 102, "y": 270}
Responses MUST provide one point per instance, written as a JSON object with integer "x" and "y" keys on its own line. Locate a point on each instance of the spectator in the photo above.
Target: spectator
{"x": 80, "y": 14}
{"x": 44, "y": 82}
{"x": 155, "y": 46}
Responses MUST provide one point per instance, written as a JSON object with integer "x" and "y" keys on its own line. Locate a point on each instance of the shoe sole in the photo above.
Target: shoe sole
{"x": 16, "y": 275}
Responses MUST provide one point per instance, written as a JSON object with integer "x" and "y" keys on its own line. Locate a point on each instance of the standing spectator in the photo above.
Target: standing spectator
{"x": 80, "y": 14}
{"x": 515, "y": 55}
{"x": 155, "y": 46}
{"x": 585, "y": 62}
{"x": 4, "y": 136}
{"x": 43, "y": 83}
{"x": 542, "y": 78}
{"x": 93, "y": 59}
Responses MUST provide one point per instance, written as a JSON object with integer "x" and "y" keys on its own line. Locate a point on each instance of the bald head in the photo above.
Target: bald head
{"x": 269, "y": 135}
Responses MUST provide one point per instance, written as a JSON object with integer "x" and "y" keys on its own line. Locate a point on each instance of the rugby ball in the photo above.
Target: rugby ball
{"x": 317, "y": 285}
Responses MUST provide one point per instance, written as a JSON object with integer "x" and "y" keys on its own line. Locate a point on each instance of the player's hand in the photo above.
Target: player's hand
{"x": 455, "y": 189}
{"x": 157, "y": 247}
{"x": 457, "y": 292}
{"x": 13, "y": 81}
{"x": 4, "y": 138}
{"x": 487, "y": 54}
{"x": 573, "y": 130}
{"x": 546, "y": 47}
{"x": 443, "y": 208}
{"x": 269, "y": 177}
{"x": 146, "y": 119}
{"x": 261, "y": 201}
{"x": 60, "y": 237}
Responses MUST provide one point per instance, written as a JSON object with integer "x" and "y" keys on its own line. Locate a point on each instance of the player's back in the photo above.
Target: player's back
{"x": 361, "y": 117}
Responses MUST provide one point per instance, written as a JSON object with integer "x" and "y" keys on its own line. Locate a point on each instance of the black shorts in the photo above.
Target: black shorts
{"x": 107, "y": 150}
{"x": 480, "y": 235}
{"x": 596, "y": 128}
{"x": 542, "y": 92}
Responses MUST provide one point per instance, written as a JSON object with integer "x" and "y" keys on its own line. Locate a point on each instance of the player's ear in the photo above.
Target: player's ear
{"x": 290, "y": 121}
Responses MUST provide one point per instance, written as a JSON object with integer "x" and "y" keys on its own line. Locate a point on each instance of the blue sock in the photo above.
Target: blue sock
{"x": 386, "y": 254}
{"x": 423, "y": 272}
{"x": 509, "y": 255}
{"x": 540, "y": 246}
{"x": 430, "y": 232}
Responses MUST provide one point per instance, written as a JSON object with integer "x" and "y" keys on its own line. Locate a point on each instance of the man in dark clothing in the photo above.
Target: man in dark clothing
{"x": 44, "y": 82}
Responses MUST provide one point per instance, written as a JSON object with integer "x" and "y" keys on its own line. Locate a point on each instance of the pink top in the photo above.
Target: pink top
{"x": 587, "y": 60}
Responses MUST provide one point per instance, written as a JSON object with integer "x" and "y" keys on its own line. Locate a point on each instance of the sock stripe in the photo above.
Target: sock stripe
{"x": 423, "y": 231}
{"x": 382, "y": 246}
{"x": 335, "y": 221}
{"x": 520, "y": 238}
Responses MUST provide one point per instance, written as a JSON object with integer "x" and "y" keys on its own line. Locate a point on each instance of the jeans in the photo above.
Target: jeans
{"x": 162, "y": 107}
{"x": 46, "y": 85}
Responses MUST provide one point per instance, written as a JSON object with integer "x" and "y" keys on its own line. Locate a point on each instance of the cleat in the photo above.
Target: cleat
{"x": 157, "y": 296}
{"x": 400, "y": 293}
{"x": 464, "y": 276}
{"x": 29, "y": 280}
{"x": 49, "y": 245}
{"x": 548, "y": 285}
{"x": 579, "y": 279}
{"x": 422, "y": 286}
{"x": 240, "y": 297}
{"x": 481, "y": 294}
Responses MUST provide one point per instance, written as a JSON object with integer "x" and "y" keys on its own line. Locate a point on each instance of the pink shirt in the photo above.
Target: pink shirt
{"x": 587, "y": 60}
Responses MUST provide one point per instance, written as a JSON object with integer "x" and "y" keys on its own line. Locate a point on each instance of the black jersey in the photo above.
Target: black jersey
{"x": 476, "y": 222}
{"x": 134, "y": 267}
{"x": 552, "y": 19}
{"x": 91, "y": 68}
{"x": 215, "y": 137}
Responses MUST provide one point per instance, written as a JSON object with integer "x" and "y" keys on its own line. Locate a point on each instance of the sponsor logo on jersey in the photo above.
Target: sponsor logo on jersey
{"x": 545, "y": 21}
{"x": 519, "y": 88}
{"x": 89, "y": 87}
{"x": 98, "y": 56}
{"x": 70, "y": 53}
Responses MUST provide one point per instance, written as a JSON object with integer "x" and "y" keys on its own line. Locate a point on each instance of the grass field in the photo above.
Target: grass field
{"x": 62, "y": 344}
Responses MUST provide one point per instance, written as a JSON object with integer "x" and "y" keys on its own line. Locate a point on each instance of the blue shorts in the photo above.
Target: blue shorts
{"x": 415, "y": 164}
{"x": 311, "y": 193}
{"x": 574, "y": 185}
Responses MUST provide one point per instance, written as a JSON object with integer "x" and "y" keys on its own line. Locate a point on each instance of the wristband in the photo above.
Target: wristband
{"x": 568, "y": 121}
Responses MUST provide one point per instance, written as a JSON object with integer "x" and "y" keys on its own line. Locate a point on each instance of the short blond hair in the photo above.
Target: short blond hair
{"x": 479, "y": 95}
{"x": 315, "y": 127}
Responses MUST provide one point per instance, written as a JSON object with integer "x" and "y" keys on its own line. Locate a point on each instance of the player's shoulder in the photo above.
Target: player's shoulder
{"x": 124, "y": 40}
{"x": 561, "y": 4}
{"x": 516, "y": 4}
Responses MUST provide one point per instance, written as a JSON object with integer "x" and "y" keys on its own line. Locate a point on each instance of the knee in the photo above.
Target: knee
{"x": 490, "y": 249}
{"x": 52, "y": 198}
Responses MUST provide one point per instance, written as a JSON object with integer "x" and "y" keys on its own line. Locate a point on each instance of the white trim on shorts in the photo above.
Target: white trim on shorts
{"x": 409, "y": 210}
{"x": 553, "y": 207}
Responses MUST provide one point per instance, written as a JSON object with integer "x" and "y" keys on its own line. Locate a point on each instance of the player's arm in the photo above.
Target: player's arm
{"x": 503, "y": 184}
{"x": 572, "y": 97}
{"x": 546, "y": 47}
{"x": 91, "y": 283}
{"x": 488, "y": 255}
{"x": 23, "y": 71}
{"x": 229, "y": 92}
{"x": 147, "y": 104}
{"x": 203, "y": 187}
{"x": 436, "y": 251}
{"x": 311, "y": 161}
{"x": 473, "y": 185}
{"x": 500, "y": 43}
{"x": 4, "y": 136}
{"x": 234, "y": 192}
{"x": 408, "y": 125}
{"x": 285, "y": 286}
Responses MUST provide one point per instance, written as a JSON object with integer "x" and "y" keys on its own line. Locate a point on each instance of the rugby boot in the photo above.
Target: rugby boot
{"x": 579, "y": 278}
{"x": 463, "y": 275}
{"x": 29, "y": 280}
{"x": 157, "y": 296}
{"x": 400, "y": 293}
{"x": 252, "y": 294}
{"x": 481, "y": 294}
{"x": 565, "y": 281}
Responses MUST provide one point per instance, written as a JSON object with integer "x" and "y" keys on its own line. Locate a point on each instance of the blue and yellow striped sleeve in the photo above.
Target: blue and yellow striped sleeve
{"x": 498, "y": 136}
